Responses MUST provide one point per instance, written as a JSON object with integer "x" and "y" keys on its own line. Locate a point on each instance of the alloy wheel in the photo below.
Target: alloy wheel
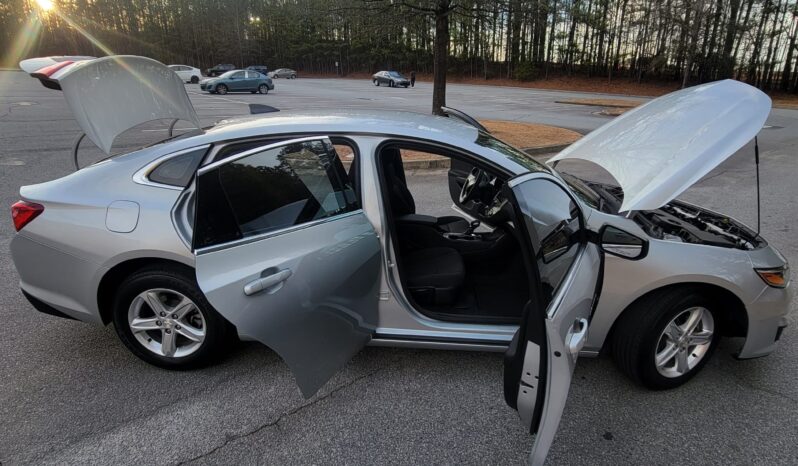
{"x": 166, "y": 322}
{"x": 684, "y": 342}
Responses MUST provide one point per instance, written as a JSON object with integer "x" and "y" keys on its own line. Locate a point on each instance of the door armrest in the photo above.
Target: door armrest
{"x": 418, "y": 219}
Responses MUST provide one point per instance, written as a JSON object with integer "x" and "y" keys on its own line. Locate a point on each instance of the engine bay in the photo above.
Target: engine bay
{"x": 682, "y": 222}
{"x": 678, "y": 221}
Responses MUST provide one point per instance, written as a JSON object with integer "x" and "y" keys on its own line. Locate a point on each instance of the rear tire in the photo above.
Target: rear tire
{"x": 293, "y": 76}
{"x": 143, "y": 329}
{"x": 263, "y": 89}
{"x": 194, "y": 80}
{"x": 221, "y": 89}
{"x": 651, "y": 330}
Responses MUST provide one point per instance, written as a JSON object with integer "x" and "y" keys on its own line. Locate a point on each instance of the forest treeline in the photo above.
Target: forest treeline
{"x": 683, "y": 41}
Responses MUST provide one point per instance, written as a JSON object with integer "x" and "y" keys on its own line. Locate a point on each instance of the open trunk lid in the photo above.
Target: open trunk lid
{"x": 111, "y": 95}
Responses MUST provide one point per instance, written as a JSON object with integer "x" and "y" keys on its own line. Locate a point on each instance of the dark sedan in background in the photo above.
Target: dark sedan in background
{"x": 390, "y": 78}
{"x": 220, "y": 69}
{"x": 262, "y": 69}
{"x": 238, "y": 81}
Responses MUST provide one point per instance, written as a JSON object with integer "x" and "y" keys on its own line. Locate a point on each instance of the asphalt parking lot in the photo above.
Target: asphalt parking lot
{"x": 71, "y": 394}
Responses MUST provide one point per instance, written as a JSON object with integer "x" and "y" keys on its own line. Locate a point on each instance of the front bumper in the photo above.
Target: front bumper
{"x": 767, "y": 319}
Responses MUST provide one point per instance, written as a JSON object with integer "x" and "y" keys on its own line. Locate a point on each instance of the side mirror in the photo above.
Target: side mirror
{"x": 617, "y": 242}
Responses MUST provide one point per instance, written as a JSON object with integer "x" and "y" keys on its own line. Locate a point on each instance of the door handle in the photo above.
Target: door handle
{"x": 578, "y": 337}
{"x": 269, "y": 283}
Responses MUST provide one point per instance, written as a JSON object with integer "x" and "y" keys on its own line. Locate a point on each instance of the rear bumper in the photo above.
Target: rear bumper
{"x": 56, "y": 280}
{"x": 43, "y": 307}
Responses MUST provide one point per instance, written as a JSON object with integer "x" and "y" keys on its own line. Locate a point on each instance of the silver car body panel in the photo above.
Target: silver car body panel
{"x": 567, "y": 320}
{"x": 319, "y": 311}
{"x": 73, "y": 231}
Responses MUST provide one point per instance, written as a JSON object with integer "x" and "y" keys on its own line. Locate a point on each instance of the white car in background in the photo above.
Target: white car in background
{"x": 188, "y": 74}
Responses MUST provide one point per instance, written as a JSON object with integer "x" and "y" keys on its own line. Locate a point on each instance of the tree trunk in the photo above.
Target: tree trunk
{"x": 440, "y": 57}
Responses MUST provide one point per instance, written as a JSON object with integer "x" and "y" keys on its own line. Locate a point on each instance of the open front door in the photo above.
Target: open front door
{"x": 565, "y": 269}
{"x": 285, "y": 253}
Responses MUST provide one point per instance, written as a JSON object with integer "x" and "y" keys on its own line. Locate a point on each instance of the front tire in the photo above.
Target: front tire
{"x": 293, "y": 76}
{"x": 163, "y": 318}
{"x": 664, "y": 339}
{"x": 221, "y": 89}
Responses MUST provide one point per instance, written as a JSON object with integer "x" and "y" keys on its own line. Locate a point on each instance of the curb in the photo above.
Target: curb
{"x": 429, "y": 164}
{"x": 591, "y": 104}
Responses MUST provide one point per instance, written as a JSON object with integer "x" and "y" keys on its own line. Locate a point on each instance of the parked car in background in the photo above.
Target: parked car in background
{"x": 283, "y": 73}
{"x": 238, "y": 81}
{"x": 220, "y": 69}
{"x": 390, "y": 79}
{"x": 263, "y": 69}
{"x": 187, "y": 73}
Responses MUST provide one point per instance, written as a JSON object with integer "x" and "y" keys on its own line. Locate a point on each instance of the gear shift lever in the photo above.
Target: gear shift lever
{"x": 473, "y": 226}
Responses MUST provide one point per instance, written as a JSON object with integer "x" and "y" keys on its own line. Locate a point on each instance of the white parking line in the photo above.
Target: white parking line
{"x": 209, "y": 96}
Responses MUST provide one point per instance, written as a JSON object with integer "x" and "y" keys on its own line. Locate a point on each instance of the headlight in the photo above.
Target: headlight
{"x": 777, "y": 277}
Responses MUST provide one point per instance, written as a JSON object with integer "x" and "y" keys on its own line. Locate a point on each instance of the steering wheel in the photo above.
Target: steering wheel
{"x": 474, "y": 179}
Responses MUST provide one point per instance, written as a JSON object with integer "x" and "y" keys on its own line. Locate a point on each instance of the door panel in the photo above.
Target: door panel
{"x": 323, "y": 309}
{"x": 237, "y": 81}
{"x": 296, "y": 269}
{"x": 565, "y": 269}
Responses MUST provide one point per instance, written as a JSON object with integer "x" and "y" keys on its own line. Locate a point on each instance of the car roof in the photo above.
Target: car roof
{"x": 368, "y": 122}
{"x": 352, "y": 121}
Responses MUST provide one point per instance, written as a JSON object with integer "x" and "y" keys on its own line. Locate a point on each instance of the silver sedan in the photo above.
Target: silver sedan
{"x": 254, "y": 229}
{"x": 287, "y": 73}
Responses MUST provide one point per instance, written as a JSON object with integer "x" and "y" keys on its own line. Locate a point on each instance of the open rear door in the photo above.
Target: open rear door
{"x": 565, "y": 269}
{"x": 286, "y": 254}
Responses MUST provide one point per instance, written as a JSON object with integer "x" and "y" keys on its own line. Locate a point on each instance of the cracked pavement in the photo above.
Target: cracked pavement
{"x": 71, "y": 394}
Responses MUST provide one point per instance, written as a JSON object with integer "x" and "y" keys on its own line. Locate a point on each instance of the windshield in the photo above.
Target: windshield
{"x": 518, "y": 156}
{"x": 395, "y": 74}
{"x": 583, "y": 191}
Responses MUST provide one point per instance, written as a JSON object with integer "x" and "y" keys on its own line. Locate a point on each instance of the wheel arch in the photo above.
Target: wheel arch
{"x": 116, "y": 274}
{"x": 733, "y": 322}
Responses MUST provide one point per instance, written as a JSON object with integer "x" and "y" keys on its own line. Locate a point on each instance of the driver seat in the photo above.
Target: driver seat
{"x": 401, "y": 200}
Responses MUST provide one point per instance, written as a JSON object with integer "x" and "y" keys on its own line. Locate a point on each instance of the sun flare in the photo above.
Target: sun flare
{"x": 45, "y": 5}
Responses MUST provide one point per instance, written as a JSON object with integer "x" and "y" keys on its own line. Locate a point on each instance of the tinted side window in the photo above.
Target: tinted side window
{"x": 553, "y": 221}
{"x": 178, "y": 170}
{"x": 270, "y": 190}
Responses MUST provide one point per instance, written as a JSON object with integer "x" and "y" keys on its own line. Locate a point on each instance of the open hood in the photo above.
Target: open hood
{"x": 111, "y": 95}
{"x": 660, "y": 149}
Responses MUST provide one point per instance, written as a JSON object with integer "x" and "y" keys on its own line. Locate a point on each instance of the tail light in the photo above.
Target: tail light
{"x": 22, "y": 212}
